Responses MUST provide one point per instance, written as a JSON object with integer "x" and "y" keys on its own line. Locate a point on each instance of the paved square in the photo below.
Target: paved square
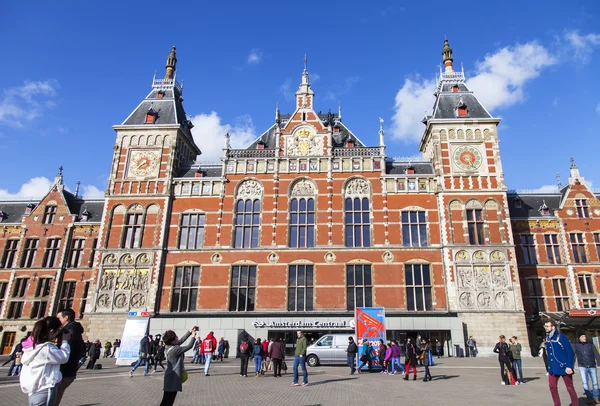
{"x": 456, "y": 381}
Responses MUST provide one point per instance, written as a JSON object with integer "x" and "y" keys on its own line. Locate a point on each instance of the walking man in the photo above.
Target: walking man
{"x": 561, "y": 359}
{"x": 588, "y": 360}
{"x": 515, "y": 350}
{"x": 300, "y": 359}
{"x": 438, "y": 348}
{"x": 144, "y": 355}
{"x": 244, "y": 356}
{"x": 209, "y": 345}
{"x": 472, "y": 344}
{"x": 351, "y": 354}
{"x": 69, "y": 369}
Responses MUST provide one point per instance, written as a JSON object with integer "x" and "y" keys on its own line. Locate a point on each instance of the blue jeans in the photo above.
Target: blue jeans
{"x": 207, "y": 365}
{"x": 517, "y": 366}
{"x": 583, "y": 371}
{"x": 137, "y": 364}
{"x": 12, "y": 367}
{"x": 298, "y": 360}
{"x": 257, "y": 362}
{"x": 397, "y": 361}
{"x": 350, "y": 362}
{"x": 196, "y": 357}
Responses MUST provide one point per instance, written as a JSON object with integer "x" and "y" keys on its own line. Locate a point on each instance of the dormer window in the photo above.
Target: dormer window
{"x": 410, "y": 170}
{"x": 29, "y": 208}
{"x": 151, "y": 116}
{"x": 462, "y": 111}
{"x": 260, "y": 145}
{"x": 199, "y": 173}
{"x": 85, "y": 216}
{"x": 160, "y": 94}
{"x": 336, "y": 129}
{"x": 350, "y": 144}
{"x": 455, "y": 89}
{"x": 517, "y": 203}
{"x": 544, "y": 210}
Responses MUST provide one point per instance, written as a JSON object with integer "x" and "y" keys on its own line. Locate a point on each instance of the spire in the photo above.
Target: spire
{"x": 227, "y": 141}
{"x": 171, "y": 65}
{"x": 558, "y": 182}
{"x": 304, "y": 95}
{"x": 58, "y": 179}
{"x": 277, "y": 114}
{"x": 76, "y": 193}
{"x": 339, "y": 111}
{"x": 447, "y": 56}
{"x": 381, "y": 140}
{"x": 575, "y": 178}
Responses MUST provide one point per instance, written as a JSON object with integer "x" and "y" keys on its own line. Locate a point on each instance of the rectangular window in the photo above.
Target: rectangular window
{"x": 414, "y": 229}
{"x": 29, "y": 251}
{"x": 578, "y": 247}
{"x": 247, "y": 224}
{"x": 51, "y": 252}
{"x": 76, "y": 252}
{"x": 418, "y": 287}
{"x": 3, "y": 288}
{"x": 20, "y": 287}
{"x": 133, "y": 231}
{"x": 561, "y": 295}
{"x": 191, "y": 231}
{"x": 589, "y": 303}
{"x": 86, "y": 289}
{"x": 528, "y": 248}
{"x": 49, "y": 214}
{"x": 15, "y": 310}
{"x": 9, "y": 255}
{"x": 43, "y": 287}
{"x": 536, "y": 296}
{"x": 38, "y": 309}
{"x": 300, "y": 288}
{"x": 93, "y": 253}
{"x": 552, "y": 248}
{"x": 185, "y": 289}
{"x": 597, "y": 242}
{"x": 302, "y": 223}
{"x": 243, "y": 285}
{"x": 583, "y": 210}
{"x": 475, "y": 225}
{"x": 359, "y": 286}
{"x": 358, "y": 223}
{"x": 585, "y": 284}
{"x": 67, "y": 294}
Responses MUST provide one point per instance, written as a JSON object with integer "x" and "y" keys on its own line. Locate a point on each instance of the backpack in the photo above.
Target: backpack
{"x": 208, "y": 345}
{"x": 258, "y": 349}
{"x": 98, "y": 366}
{"x": 244, "y": 347}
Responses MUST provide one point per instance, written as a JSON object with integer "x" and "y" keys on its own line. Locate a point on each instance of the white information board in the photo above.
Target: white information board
{"x": 130, "y": 343}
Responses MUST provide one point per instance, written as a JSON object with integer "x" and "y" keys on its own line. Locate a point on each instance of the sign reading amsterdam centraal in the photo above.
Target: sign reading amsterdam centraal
{"x": 304, "y": 324}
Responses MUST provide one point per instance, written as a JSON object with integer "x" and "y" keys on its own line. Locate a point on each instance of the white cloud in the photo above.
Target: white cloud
{"x": 255, "y": 56}
{"x": 33, "y": 188}
{"x": 499, "y": 82}
{"x": 209, "y": 134}
{"x": 545, "y": 189}
{"x": 92, "y": 192}
{"x": 286, "y": 90}
{"x": 501, "y": 77}
{"x": 581, "y": 47}
{"x": 22, "y": 104}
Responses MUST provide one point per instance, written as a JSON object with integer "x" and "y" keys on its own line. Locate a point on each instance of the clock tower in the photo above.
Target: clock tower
{"x": 152, "y": 145}
{"x": 461, "y": 139}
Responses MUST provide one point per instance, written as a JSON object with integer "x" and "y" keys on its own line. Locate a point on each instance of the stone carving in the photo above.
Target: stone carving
{"x": 499, "y": 277}
{"x": 357, "y": 187}
{"x": 120, "y": 300}
{"x": 456, "y": 205}
{"x": 250, "y": 189}
{"x": 479, "y": 256}
{"x": 497, "y": 256}
{"x": 451, "y": 134}
{"x": 216, "y": 258}
{"x": 103, "y": 300}
{"x": 467, "y": 299}
{"x": 462, "y": 256}
{"x": 491, "y": 205}
{"x": 303, "y": 188}
{"x": 304, "y": 143}
{"x": 127, "y": 259}
{"x": 502, "y": 299}
{"x": 482, "y": 277}
{"x": 273, "y": 258}
{"x": 110, "y": 259}
{"x": 388, "y": 257}
{"x": 136, "y": 208}
{"x": 330, "y": 257}
{"x": 469, "y": 134}
{"x": 484, "y": 299}
{"x": 107, "y": 280}
{"x": 138, "y": 300}
{"x": 460, "y": 134}
{"x": 143, "y": 259}
{"x": 465, "y": 277}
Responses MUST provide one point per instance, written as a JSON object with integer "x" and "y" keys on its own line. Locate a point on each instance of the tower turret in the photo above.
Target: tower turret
{"x": 171, "y": 64}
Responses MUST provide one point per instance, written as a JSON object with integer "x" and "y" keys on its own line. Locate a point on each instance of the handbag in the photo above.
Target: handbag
{"x": 283, "y": 366}
{"x": 363, "y": 358}
{"x": 184, "y": 376}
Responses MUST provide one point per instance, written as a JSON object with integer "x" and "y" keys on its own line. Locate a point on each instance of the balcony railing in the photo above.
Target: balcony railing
{"x": 251, "y": 153}
{"x": 162, "y": 83}
{"x": 366, "y": 151}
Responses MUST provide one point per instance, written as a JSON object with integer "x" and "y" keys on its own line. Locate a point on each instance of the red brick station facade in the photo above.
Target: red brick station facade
{"x": 301, "y": 227}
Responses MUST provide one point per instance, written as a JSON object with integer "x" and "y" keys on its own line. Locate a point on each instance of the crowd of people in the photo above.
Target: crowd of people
{"x": 48, "y": 359}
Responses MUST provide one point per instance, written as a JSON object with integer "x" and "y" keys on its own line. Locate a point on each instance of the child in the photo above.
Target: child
{"x": 41, "y": 361}
{"x": 388, "y": 360}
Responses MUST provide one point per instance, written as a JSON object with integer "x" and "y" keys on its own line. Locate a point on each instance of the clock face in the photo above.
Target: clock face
{"x": 143, "y": 163}
{"x": 467, "y": 158}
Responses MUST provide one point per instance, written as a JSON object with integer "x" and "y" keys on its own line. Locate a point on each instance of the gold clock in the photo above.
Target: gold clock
{"x": 143, "y": 163}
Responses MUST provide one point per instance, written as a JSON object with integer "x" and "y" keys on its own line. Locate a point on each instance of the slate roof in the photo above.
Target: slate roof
{"x": 208, "y": 170}
{"x": 399, "y": 168}
{"x": 531, "y": 204}
{"x": 446, "y": 103}
{"x": 13, "y": 211}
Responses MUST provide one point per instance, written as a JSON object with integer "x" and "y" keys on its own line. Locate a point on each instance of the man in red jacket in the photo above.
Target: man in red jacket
{"x": 209, "y": 345}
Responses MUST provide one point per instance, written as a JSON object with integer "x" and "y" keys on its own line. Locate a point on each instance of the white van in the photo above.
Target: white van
{"x": 329, "y": 349}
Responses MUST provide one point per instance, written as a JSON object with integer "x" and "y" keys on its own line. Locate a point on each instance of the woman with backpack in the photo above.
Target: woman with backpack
{"x": 426, "y": 358}
{"x": 381, "y": 355}
{"x": 160, "y": 356}
{"x": 257, "y": 352}
{"x": 175, "y": 374}
{"x": 41, "y": 361}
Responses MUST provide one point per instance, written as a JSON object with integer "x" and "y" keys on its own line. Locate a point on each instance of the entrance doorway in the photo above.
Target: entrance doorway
{"x": 8, "y": 340}
{"x": 289, "y": 337}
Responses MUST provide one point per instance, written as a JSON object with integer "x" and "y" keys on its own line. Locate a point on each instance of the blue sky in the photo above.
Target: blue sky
{"x": 70, "y": 70}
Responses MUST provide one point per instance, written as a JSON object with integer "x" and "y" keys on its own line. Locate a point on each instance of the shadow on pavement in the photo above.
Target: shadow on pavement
{"x": 530, "y": 379}
{"x": 332, "y": 380}
{"x": 444, "y": 377}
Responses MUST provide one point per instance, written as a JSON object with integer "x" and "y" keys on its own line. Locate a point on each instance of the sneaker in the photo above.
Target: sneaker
{"x": 206, "y": 374}
{"x": 517, "y": 383}
{"x": 503, "y": 383}
{"x": 547, "y": 374}
{"x": 131, "y": 374}
{"x": 154, "y": 371}
{"x": 304, "y": 384}
{"x": 295, "y": 384}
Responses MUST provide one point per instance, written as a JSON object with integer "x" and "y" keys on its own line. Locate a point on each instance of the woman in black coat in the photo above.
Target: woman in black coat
{"x": 411, "y": 359}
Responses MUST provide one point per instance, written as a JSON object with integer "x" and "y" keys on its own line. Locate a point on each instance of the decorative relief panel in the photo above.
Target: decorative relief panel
{"x": 305, "y": 142}
{"x": 357, "y": 187}
{"x": 303, "y": 188}
{"x": 250, "y": 189}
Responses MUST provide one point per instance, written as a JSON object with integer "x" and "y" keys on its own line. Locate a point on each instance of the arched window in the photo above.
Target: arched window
{"x": 302, "y": 223}
{"x": 247, "y": 223}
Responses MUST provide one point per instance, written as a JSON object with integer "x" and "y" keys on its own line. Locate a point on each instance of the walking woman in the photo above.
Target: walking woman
{"x": 258, "y": 355}
{"x": 277, "y": 355}
{"x": 411, "y": 359}
{"x": 175, "y": 372}
{"x": 160, "y": 356}
{"x": 365, "y": 357}
{"x": 42, "y": 360}
{"x": 381, "y": 355}
{"x": 426, "y": 357}
{"x": 504, "y": 356}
